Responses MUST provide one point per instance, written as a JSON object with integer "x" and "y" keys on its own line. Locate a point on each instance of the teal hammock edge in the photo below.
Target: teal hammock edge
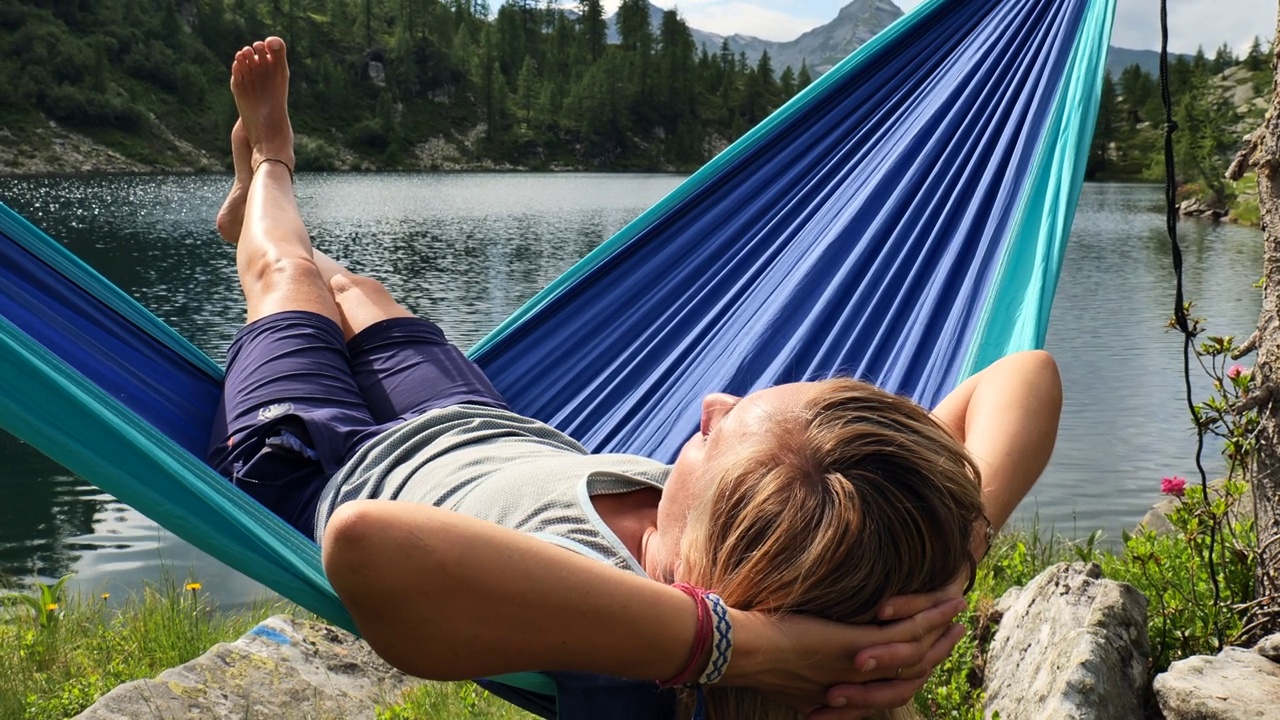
{"x": 1016, "y": 315}
{"x": 256, "y": 542}
{"x": 128, "y": 448}
{"x": 62, "y": 261}
{"x": 718, "y": 166}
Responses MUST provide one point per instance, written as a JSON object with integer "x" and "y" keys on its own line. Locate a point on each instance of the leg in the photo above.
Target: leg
{"x": 273, "y": 256}
{"x": 362, "y": 301}
{"x": 291, "y": 413}
{"x": 1007, "y": 417}
{"x": 403, "y": 365}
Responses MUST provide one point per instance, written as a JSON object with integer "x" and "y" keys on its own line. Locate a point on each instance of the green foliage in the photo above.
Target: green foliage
{"x": 56, "y": 670}
{"x": 1173, "y": 571}
{"x": 1128, "y": 140}
{"x": 450, "y": 700}
{"x": 46, "y": 604}
{"x": 538, "y": 81}
{"x": 1169, "y": 569}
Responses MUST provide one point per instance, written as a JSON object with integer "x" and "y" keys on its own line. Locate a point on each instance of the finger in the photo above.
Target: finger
{"x": 922, "y": 669}
{"x": 889, "y": 658}
{"x": 905, "y": 606}
{"x": 841, "y": 714}
{"x": 915, "y": 628}
{"x": 883, "y": 695}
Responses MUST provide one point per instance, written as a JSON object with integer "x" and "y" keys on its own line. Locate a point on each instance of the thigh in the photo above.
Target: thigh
{"x": 291, "y": 412}
{"x": 405, "y": 367}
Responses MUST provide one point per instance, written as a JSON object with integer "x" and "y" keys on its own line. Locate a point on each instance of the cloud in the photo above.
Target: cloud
{"x": 767, "y": 19}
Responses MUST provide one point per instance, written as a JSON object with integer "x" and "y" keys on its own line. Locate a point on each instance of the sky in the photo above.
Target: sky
{"x": 1192, "y": 23}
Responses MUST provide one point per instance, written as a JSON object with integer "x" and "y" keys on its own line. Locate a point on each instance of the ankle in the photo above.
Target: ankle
{"x": 288, "y": 166}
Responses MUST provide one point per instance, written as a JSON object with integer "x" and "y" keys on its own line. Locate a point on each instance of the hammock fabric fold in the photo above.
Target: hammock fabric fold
{"x": 903, "y": 220}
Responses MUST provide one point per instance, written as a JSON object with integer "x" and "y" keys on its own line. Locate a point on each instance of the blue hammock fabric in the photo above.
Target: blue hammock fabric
{"x": 903, "y": 220}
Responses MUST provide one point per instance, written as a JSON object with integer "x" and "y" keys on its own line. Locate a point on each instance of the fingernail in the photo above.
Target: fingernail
{"x": 887, "y": 612}
{"x": 839, "y": 702}
{"x": 869, "y": 665}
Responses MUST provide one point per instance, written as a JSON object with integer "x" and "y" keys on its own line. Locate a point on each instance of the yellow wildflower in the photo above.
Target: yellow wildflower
{"x": 193, "y": 586}
{"x": 105, "y": 596}
{"x": 51, "y": 607}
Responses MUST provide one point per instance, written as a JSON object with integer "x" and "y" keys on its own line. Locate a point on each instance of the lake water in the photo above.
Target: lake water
{"x": 468, "y": 249}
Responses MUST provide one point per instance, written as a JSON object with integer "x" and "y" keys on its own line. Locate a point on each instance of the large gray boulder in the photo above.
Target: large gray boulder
{"x": 283, "y": 668}
{"x": 1070, "y": 645}
{"x": 1236, "y": 684}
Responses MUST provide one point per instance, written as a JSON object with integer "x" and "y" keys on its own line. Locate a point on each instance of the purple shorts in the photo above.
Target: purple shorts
{"x": 298, "y": 401}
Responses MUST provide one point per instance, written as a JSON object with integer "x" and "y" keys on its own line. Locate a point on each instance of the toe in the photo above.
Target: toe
{"x": 275, "y": 46}
{"x": 260, "y": 49}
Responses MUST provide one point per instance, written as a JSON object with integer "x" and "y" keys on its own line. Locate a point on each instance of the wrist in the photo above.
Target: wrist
{"x": 751, "y": 633}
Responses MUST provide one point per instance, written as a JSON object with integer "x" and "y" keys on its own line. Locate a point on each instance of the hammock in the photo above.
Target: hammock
{"x": 903, "y": 220}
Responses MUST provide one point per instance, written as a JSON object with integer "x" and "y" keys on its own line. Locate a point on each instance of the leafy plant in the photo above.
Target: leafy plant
{"x": 46, "y": 603}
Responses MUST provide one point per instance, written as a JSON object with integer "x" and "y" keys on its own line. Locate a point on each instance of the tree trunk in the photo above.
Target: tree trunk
{"x": 1265, "y": 158}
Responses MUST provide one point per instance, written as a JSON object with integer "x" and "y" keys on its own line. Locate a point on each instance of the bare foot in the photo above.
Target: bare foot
{"x": 231, "y": 216}
{"x": 260, "y": 84}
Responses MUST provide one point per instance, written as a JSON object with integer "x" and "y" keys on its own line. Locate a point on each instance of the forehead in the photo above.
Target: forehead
{"x": 766, "y": 409}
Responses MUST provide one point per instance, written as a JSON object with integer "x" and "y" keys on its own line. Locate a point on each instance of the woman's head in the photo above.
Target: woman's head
{"x": 823, "y": 498}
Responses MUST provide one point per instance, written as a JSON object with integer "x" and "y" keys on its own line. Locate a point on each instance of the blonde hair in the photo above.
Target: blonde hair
{"x": 857, "y": 497}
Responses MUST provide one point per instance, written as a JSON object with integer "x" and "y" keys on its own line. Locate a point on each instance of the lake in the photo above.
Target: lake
{"x": 467, "y": 249}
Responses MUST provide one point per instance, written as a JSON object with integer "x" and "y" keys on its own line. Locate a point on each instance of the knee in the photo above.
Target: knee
{"x": 344, "y": 283}
{"x": 273, "y": 272}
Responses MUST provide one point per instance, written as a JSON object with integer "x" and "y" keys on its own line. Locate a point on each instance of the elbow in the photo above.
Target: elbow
{"x": 364, "y": 558}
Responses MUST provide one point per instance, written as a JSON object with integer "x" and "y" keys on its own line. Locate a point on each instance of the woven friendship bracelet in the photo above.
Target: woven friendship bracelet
{"x": 701, "y": 638}
{"x": 722, "y": 640}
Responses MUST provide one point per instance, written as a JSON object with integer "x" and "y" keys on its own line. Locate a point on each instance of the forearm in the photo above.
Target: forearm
{"x": 444, "y": 596}
{"x": 1007, "y": 417}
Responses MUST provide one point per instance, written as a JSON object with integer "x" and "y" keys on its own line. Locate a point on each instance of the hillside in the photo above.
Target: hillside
{"x": 139, "y": 85}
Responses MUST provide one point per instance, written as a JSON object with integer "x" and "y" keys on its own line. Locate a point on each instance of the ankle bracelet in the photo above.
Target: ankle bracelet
{"x": 274, "y": 160}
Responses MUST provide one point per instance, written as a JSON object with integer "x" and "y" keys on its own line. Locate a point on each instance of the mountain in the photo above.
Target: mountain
{"x": 857, "y": 22}
{"x": 822, "y": 47}
{"x": 1120, "y": 58}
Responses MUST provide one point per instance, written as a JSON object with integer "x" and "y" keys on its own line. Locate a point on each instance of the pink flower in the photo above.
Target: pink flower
{"x": 1173, "y": 486}
{"x": 1236, "y": 371}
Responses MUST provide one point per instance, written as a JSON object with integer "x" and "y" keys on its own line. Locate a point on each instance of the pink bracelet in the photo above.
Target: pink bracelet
{"x": 701, "y": 638}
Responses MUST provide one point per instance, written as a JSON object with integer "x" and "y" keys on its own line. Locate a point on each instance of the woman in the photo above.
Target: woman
{"x": 826, "y": 500}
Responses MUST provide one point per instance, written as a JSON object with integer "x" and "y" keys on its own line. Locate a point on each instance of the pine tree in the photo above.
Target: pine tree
{"x": 804, "y": 79}
{"x": 595, "y": 32}
{"x": 528, "y": 89}
{"x": 787, "y": 84}
{"x": 1256, "y": 59}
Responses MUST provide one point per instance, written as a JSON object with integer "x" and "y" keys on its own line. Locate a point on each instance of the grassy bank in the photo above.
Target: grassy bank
{"x": 59, "y": 662}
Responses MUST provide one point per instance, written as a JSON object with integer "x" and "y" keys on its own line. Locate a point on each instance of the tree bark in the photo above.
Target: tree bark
{"x": 1265, "y": 147}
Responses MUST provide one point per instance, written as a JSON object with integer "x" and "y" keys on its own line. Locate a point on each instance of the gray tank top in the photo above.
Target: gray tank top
{"x": 498, "y": 466}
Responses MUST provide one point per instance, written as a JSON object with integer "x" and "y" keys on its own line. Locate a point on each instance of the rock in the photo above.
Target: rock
{"x": 1233, "y": 685}
{"x": 1269, "y": 648}
{"x": 1006, "y": 602}
{"x": 1242, "y": 95}
{"x": 377, "y": 73}
{"x": 283, "y": 668}
{"x": 1072, "y": 645}
{"x": 1199, "y": 208}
